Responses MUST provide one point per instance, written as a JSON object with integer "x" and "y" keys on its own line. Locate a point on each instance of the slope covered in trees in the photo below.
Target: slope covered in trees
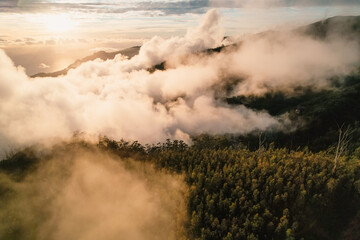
{"x": 317, "y": 115}
{"x": 233, "y": 193}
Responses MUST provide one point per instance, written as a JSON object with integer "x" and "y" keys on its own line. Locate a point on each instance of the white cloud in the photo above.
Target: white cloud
{"x": 43, "y": 66}
{"x": 105, "y": 49}
{"x": 120, "y": 99}
{"x": 279, "y": 3}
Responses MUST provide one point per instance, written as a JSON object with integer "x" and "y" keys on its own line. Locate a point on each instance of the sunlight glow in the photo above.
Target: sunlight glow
{"x": 58, "y": 23}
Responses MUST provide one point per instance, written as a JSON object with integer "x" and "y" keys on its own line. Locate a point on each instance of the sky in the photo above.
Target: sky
{"x": 40, "y": 34}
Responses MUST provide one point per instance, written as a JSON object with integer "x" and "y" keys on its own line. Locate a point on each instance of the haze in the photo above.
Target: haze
{"x": 49, "y": 35}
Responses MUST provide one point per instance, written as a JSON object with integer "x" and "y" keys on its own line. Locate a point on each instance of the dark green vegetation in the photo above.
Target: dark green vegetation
{"x": 233, "y": 193}
{"x": 318, "y": 115}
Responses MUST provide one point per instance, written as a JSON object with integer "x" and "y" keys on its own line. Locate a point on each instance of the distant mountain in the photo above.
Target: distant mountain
{"x": 129, "y": 52}
{"x": 340, "y": 26}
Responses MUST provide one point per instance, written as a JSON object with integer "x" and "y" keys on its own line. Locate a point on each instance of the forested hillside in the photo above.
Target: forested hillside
{"x": 317, "y": 115}
{"x": 233, "y": 193}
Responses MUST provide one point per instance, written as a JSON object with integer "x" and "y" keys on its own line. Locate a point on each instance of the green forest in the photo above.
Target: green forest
{"x": 233, "y": 192}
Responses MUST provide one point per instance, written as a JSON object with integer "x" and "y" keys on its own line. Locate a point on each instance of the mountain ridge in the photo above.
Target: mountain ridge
{"x": 344, "y": 26}
{"x": 128, "y": 52}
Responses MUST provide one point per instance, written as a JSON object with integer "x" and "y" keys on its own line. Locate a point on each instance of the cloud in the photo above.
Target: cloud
{"x": 282, "y": 61}
{"x": 208, "y": 34}
{"x": 43, "y": 66}
{"x": 174, "y": 7}
{"x": 56, "y": 53}
{"x": 120, "y": 98}
{"x": 164, "y": 7}
{"x": 279, "y": 3}
{"x": 87, "y": 194}
{"x": 161, "y": 7}
{"x": 105, "y": 49}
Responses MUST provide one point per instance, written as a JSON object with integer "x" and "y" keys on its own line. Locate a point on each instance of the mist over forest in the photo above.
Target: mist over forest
{"x": 203, "y": 136}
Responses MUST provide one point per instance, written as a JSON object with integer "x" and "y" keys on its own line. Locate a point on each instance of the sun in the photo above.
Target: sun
{"x": 58, "y": 23}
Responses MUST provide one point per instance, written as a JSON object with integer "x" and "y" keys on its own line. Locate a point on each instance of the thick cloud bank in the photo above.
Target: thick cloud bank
{"x": 120, "y": 98}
